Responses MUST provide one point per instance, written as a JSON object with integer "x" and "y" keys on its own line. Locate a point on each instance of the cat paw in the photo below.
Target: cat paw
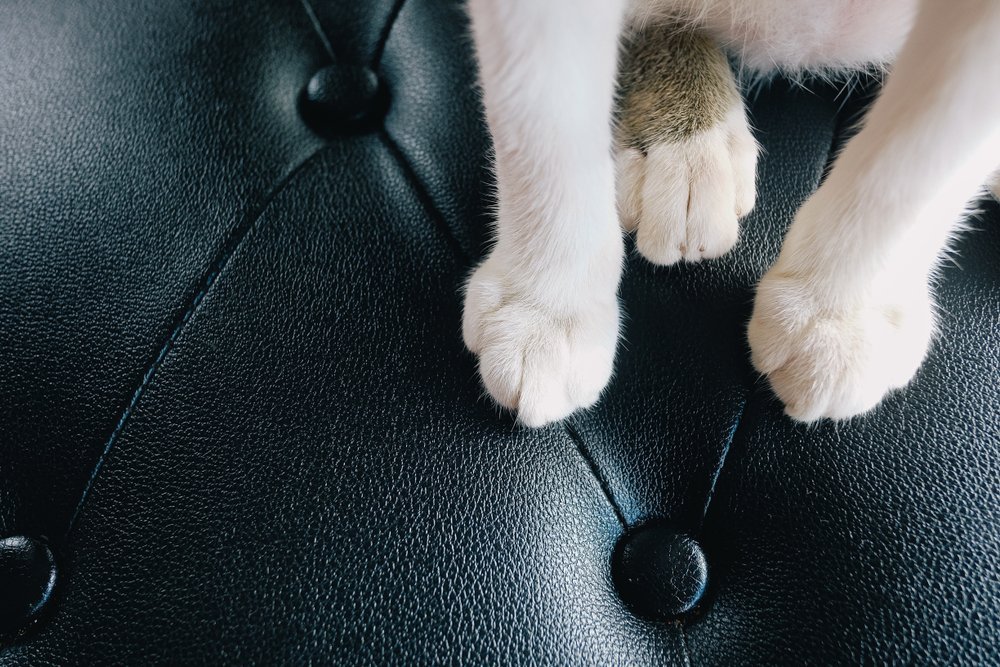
{"x": 836, "y": 362}
{"x": 684, "y": 198}
{"x": 540, "y": 361}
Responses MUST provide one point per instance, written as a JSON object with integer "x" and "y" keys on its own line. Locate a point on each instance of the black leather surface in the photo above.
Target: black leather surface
{"x": 260, "y": 327}
{"x": 135, "y": 137}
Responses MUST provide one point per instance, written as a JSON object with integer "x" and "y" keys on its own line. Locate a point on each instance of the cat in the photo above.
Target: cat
{"x": 845, "y": 315}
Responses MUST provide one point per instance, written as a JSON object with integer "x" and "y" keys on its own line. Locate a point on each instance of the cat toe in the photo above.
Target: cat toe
{"x": 826, "y": 362}
{"x": 683, "y": 198}
{"x": 540, "y": 362}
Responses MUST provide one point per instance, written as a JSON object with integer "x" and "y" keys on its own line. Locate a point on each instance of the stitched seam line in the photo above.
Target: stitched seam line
{"x": 318, "y": 27}
{"x": 386, "y": 31}
{"x": 424, "y": 196}
{"x": 439, "y": 220}
{"x": 379, "y": 45}
{"x": 838, "y": 130}
{"x": 722, "y": 458}
{"x": 584, "y": 452}
{"x": 229, "y": 247}
{"x": 684, "y": 644}
{"x": 446, "y": 232}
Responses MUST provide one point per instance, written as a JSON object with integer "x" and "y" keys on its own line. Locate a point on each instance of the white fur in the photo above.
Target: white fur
{"x": 845, "y": 315}
{"x": 542, "y": 311}
{"x": 794, "y": 35}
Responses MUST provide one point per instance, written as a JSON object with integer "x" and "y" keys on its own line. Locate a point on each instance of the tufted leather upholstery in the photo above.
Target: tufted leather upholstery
{"x": 235, "y": 404}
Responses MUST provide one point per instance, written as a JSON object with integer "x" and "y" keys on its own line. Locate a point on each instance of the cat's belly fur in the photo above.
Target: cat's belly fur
{"x": 795, "y": 35}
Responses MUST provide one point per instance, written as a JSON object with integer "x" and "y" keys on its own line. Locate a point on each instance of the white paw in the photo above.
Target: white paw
{"x": 684, "y": 198}
{"x": 541, "y": 361}
{"x": 837, "y": 362}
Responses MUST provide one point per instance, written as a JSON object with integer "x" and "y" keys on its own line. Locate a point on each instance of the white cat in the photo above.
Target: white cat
{"x": 845, "y": 314}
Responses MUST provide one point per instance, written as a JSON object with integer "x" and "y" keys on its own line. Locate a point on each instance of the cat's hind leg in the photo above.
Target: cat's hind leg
{"x": 686, "y": 158}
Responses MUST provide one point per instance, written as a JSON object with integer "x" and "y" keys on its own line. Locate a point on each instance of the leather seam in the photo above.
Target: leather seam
{"x": 421, "y": 191}
{"x": 232, "y": 243}
{"x": 383, "y": 39}
{"x": 424, "y": 196}
{"x": 602, "y": 482}
{"x": 754, "y": 390}
{"x": 318, "y": 27}
{"x": 733, "y": 430}
{"x": 685, "y": 650}
{"x": 390, "y": 22}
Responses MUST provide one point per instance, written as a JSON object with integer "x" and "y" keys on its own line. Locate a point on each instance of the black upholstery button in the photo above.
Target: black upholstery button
{"x": 342, "y": 98}
{"x": 659, "y": 572}
{"x": 27, "y": 577}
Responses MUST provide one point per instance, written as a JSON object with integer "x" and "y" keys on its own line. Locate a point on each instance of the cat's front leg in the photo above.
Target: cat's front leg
{"x": 846, "y": 314}
{"x": 542, "y": 311}
{"x": 686, "y": 158}
{"x": 832, "y": 347}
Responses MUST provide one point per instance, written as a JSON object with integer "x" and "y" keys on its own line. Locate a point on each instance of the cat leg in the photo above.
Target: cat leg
{"x": 686, "y": 158}
{"x": 846, "y": 313}
{"x": 541, "y": 311}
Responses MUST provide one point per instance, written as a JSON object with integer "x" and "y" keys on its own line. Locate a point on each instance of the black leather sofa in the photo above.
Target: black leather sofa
{"x": 238, "y": 426}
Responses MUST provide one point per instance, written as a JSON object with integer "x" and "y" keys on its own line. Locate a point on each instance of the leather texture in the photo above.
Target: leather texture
{"x": 235, "y": 403}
